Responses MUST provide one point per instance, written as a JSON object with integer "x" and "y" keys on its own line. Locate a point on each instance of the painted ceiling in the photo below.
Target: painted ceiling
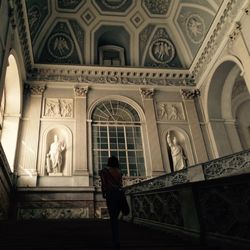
{"x": 144, "y": 33}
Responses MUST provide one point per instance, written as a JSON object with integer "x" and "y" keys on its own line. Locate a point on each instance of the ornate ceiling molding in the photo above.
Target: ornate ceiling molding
{"x": 217, "y": 36}
{"x": 23, "y": 34}
{"x": 102, "y": 75}
{"x": 112, "y": 75}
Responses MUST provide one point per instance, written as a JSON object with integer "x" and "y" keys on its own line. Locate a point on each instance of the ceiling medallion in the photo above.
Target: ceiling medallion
{"x": 195, "y": 28}
{"x": 60, "y": 46}
{"x": 162, "y": 51}
{"x": 114, "y": 4}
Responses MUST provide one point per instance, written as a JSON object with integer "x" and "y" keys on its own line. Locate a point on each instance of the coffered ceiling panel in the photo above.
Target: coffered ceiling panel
{"x": 147, "y": 33}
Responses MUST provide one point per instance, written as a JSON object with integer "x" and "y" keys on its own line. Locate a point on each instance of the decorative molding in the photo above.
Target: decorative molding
{"x": 189, "y": 94}
{"x": 37, "y": 89}
{"x": 147, "y": 93}
{"x": 227, "y": 165}
{"x": 218, "y": 35}
{"x": 81, "y": 91}
{"x": 171, "y": 111}
{"x": 105, "y": 75}
{"x": 126, "y": 180}
{"x": 58, "y": 107}
{"x": 235, "y": 33}
{"x": 22, "y": 30}
{"x": 163, "y": 207}
{"x": 53, "y": 213}
{"x": 168, "y": 180}
{"x": 247, "y": 10}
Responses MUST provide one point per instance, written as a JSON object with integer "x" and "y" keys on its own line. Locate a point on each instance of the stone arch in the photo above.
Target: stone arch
{"x": 12, "y": 108}
{"x": 219, "y": 104}
{"x": 141, "y": 115}
{"x": 125, "y": 99}
{"x": 65, "y": 136}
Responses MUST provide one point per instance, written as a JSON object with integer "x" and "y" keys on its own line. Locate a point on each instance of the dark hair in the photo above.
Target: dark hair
{"x": 113, "y": 162}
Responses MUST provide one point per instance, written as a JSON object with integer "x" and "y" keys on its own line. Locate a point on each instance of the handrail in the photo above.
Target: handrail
{"x": 224, "y": 166}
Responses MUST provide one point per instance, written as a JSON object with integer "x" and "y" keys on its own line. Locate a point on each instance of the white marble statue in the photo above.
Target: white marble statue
{"x": 177, "y": 153}
{"x": 54, "y": 157}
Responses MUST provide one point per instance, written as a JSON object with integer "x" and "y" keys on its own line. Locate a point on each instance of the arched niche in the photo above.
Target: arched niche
{"x": 64, "y": 137}
{"x": 12, "y": 109}
{"x": 114, "y": 37}
{"x": 183, "y": 140}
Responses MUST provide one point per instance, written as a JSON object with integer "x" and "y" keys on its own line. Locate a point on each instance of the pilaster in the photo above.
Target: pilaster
{"x": 152, "y": 131}
{"x": 194, "y": 124}
{"x": 28, "y": 153}
{"x": 81, "y": 166}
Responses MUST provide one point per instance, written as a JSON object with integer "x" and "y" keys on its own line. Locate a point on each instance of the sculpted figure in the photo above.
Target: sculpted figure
{"x": 178, "y": 156}
{"x": 54, "y": 157}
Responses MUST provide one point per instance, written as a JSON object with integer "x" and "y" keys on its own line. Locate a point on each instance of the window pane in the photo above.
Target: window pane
{"x": 121, "y": 139}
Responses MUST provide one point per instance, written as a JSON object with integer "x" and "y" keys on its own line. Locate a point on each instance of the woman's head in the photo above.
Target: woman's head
{"x": 113, "y": 162}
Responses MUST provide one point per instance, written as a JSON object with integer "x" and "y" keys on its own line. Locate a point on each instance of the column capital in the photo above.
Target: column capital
{"x": 189, "y": 94}
{"x": 81, "y": 91}
{"x": 147, "y": 93}
{"x": 34, "y": 89}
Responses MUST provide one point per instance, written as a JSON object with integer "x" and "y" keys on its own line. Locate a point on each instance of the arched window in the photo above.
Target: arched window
{"x": 117, "y": 131}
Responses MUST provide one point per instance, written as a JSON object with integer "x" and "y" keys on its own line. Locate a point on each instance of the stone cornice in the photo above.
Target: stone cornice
{"x": 107, "y": 75}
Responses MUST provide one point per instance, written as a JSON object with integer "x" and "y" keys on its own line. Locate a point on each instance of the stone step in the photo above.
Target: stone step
{"x": 86, "y": 235}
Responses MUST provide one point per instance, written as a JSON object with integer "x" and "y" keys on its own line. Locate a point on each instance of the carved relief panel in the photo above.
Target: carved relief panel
{"x": 58, "y": 108}
{"x": 170, "y": 111}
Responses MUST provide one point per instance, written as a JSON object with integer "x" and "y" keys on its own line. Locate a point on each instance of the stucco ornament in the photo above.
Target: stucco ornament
{"x": 162, "y": 50}
{"x": 195, "y": 27}
{"x": 60, "y": 46}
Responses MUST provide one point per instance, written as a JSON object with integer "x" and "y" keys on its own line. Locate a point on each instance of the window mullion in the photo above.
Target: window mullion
{"x": 126, "y": 150}
{"x": 108, "y": 139}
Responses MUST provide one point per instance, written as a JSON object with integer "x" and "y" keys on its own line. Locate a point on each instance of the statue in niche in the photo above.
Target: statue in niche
{"x": 178, "y": 156}
{"x": 54, "y": 157}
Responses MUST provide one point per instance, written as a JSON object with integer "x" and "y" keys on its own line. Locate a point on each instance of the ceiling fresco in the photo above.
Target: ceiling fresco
{"x": 150, "y": 33}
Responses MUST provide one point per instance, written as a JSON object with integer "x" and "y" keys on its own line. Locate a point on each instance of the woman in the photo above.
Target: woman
{"x": 111, "y": 179}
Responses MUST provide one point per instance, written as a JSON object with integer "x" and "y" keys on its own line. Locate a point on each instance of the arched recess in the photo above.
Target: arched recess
{"x": 220, "y": 102}
{"x": 12, "y": 109}
{"x": 183, "y": 140}
{"x": 138, "y": 125}
{"x": 64, "y": 135}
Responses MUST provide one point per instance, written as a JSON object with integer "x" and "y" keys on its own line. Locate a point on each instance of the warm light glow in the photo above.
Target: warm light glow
{"x": 11, "y": 116}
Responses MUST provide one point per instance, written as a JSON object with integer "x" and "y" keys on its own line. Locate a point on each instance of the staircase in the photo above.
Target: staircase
{"x": 86, "y": 235}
